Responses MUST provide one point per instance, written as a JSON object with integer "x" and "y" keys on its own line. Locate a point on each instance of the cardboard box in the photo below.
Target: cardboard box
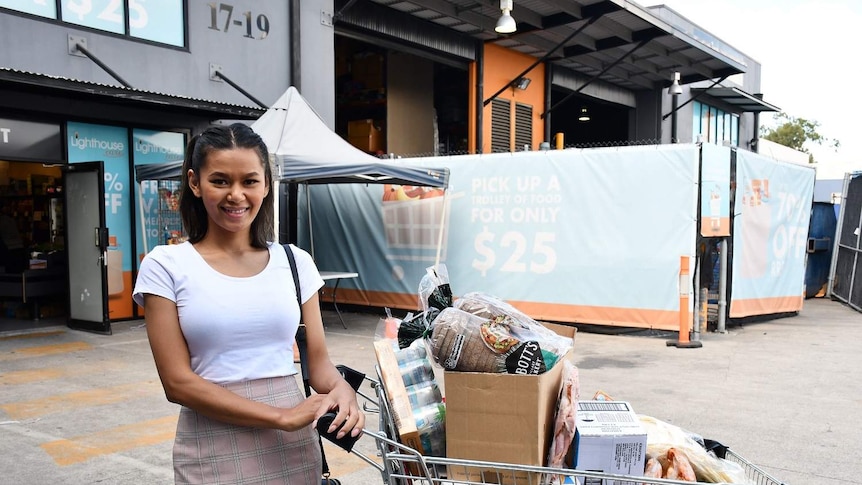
{"x": 610, "y": 439}
{"x": 399, "y": 402}
{"x": 359, "y": 128}
{"x": 365, "y": 135}
{"x": 371, "y": 143}
{"x": 505, "y": 418}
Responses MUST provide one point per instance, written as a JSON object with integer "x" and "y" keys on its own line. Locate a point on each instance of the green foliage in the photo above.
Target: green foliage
{"x": 796, "y": 133}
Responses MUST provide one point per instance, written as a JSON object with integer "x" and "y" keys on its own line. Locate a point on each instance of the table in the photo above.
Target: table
{"x": 337, "y": 276}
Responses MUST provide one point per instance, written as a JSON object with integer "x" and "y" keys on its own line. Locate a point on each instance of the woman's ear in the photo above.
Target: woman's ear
{"x": 194, "y": 183}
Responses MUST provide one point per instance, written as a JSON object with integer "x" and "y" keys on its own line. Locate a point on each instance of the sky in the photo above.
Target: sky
{"x": 808, "y": 52}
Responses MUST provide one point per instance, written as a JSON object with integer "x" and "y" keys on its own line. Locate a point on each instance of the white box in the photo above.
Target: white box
{"x": 609, "y": 438}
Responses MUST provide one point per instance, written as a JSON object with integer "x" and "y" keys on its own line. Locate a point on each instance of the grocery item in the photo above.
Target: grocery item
{"x": 682, "y": 457}
{"x": 424, "y": 393}
{"x": 653, "y": 468}
{"x": 431, "y": 423}
{"x": 456, "y": 343}
{"x": 564, "y": 421}
{"x": 505, "y": 329}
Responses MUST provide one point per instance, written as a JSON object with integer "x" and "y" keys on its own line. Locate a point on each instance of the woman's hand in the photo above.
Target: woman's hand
{"x": 306, "y": 412}
{"x": 343, "y": 399}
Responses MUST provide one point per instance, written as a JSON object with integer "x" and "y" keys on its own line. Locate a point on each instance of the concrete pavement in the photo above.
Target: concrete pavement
{"x": 80, "y": 408}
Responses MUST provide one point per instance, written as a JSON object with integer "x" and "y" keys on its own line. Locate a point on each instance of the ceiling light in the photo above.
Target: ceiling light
{"x": 585, "y": 116}
{"x": 506, "y": 24}
{"x": 675, "y": 89}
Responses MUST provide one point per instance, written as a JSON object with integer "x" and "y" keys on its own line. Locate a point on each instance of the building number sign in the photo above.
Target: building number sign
{"x": 222, "y": 19}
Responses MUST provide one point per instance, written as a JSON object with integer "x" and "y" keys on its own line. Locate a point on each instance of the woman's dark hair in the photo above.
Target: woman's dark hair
{"x": 192, "y": 208}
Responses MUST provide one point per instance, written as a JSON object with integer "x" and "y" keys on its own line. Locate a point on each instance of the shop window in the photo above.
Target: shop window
{"x": 161, "y": 21}
{"x": 715, "y": 125}
{"x": 501, "y": 126}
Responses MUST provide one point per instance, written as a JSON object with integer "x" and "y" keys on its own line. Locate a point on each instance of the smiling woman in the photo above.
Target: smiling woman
{"x": 222, "y": 325}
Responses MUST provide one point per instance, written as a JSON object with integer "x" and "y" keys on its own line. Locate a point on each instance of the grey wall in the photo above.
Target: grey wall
{"x": 648, "y": 117}
{"x": 318, "y": 58}
{"x": 261, "y": 67}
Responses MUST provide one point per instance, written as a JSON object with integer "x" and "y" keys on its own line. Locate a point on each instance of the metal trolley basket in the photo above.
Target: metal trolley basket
{"x": 402, "y": 465}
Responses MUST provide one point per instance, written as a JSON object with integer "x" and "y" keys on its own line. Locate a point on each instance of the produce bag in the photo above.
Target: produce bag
{"x": 674, "y": 453}
{"x": 415, "y": 327}
{"x": 434, "y": 289}
{"x": 565, "y": 423}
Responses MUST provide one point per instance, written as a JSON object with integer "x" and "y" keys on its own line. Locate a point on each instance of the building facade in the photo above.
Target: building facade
{"x": 94, "y": 88}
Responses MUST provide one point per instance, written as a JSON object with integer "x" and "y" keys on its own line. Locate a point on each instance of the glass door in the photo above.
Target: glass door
{"x": 87, "y": 247}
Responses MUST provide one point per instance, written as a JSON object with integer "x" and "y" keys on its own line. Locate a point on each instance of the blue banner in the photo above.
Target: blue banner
{"x": 571, "y": 235}
{"x": 109, "y": 144}
{"x": 771, "y": 218}
{"x": 154, "y": 147}
{"x": 715, "y": 191}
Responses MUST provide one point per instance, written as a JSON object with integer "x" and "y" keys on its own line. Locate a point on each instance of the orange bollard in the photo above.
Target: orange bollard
{"x": 684, "y": 291}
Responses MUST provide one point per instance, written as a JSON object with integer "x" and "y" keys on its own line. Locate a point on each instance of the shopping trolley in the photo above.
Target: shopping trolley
{"x": 402, "y": 465}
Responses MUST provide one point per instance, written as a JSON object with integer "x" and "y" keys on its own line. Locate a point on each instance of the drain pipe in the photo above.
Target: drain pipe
{"x": 722, "y": 286}
{"x": 698, "y": 301}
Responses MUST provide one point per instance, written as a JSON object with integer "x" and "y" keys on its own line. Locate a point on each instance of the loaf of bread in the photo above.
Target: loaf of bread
{"x": 456, "y": 343}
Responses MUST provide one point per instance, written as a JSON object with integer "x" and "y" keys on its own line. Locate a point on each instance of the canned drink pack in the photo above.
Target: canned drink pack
{"x": 424, "y": 394}
{"x": 431, "y": 424}
{"x": 416, "y": 371}
{"x": 415, "y": 352}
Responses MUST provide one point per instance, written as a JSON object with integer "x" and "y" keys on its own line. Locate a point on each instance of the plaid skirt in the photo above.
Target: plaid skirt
{"x": 207, "y": 451}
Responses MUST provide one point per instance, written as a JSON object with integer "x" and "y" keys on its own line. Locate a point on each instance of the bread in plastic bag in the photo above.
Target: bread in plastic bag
{"x": 494, "y": 342}
{"x": 456, "y": 343}
{"x": 507, "y": 327}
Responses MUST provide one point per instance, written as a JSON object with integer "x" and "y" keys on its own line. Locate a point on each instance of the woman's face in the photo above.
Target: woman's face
{"x": 232, "y": 185}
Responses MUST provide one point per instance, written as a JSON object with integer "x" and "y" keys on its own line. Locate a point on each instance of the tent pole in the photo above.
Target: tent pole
{"x": 308, "y": 215}
{"x": 442, "y": 226}
{"x": 143, "y": 220}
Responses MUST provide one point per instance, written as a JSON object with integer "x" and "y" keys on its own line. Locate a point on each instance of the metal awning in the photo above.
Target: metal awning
{"x": 737, "y": 98}
{"x": 31, "y": 82}
{"x": 611, "y": 31}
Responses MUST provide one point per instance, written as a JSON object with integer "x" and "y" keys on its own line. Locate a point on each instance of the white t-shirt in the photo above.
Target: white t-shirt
{"x": 237, "y": 329}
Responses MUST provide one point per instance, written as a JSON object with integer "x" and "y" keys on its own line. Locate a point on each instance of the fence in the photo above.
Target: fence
{"x": 846, "y": 278}
{"x": 597, "y": 144}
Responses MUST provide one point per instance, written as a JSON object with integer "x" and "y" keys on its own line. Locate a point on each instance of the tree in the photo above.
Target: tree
{"x": 795, "y": 133}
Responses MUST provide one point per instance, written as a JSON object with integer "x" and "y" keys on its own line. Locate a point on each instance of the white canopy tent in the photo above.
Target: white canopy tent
{"x": 306, "y": 151}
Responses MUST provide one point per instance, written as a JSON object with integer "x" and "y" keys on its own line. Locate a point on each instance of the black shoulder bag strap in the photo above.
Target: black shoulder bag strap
{"x": 303, "y": 354}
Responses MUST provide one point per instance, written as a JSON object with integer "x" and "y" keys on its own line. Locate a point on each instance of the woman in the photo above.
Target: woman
{"x": 222, "y": 314}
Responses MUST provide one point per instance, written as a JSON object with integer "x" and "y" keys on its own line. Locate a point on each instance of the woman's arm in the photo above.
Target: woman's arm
{"x": 183, "y": 386}
{"x": 325, "y": 378}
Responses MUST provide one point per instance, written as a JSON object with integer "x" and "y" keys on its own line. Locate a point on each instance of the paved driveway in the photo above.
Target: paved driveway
{"x": 80, "y": 408}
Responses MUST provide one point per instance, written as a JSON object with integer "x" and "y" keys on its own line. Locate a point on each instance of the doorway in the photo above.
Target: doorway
{"x": 399, "y": 101}
{"x": 588, "y": 122}
{"x": 33, "y": 263}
